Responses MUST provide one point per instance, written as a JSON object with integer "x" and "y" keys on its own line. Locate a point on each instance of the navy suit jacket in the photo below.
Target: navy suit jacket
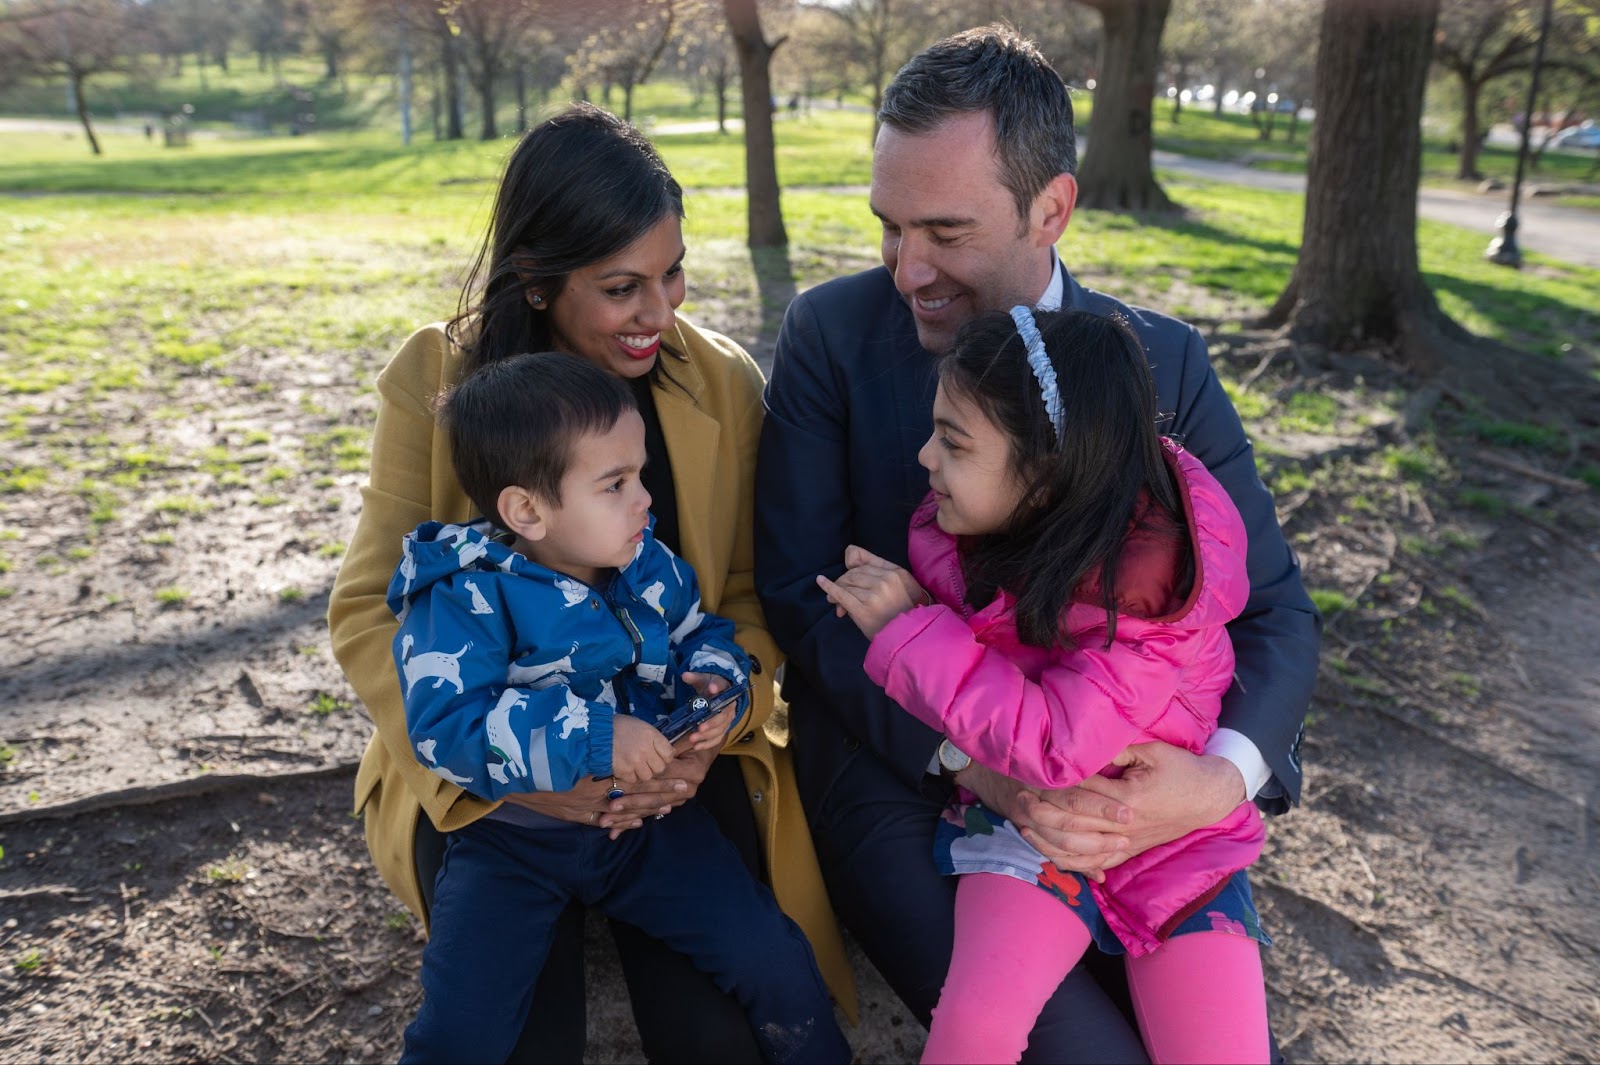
{"x": 849, "y": 404}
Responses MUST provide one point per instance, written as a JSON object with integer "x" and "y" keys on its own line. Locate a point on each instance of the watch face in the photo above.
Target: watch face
{"x": 952, "y": 757}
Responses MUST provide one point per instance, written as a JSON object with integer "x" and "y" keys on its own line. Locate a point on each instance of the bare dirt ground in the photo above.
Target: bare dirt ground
{"x": 182, "y": 878}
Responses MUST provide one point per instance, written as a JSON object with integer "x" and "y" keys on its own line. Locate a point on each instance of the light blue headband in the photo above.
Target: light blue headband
{"x": 1028, "y": 329}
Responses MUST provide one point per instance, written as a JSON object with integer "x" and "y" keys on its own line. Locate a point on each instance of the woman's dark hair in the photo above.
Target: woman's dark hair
{"x": 514, "y": 422}
{"x": 1081, "y": 496}
{"x": 579, "y": 187}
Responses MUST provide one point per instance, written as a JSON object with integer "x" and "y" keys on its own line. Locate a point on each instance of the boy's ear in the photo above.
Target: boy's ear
{"x": 522, "y": 512}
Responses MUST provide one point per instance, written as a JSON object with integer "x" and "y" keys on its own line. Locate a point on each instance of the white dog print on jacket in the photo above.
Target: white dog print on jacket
{"x": 542, "y": 675}
{"x": 425, "y": 748}
{"x": 503, "y": 739}
{"x": 408, "y": 570}
{"x": 480, "y": 605}
{"x": 690, "y": 622}
{"x": 653, "y": 594}
{"x": 445, "y": 669}
{"x": 711, "y": 657}
{"x": 467, "y": 551}
{"x": 574, "y": 592}
{"x": 574, "y": 715}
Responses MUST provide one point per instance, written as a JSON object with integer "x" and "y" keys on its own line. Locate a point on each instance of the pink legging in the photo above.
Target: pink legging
{"x": 1200, "y": 998}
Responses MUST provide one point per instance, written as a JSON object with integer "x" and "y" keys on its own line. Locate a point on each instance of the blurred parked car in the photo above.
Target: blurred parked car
{"x": 1583, "y": 137}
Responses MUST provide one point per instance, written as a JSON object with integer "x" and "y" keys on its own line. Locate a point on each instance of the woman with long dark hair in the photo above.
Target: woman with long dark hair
{"x": 585, "y": 255}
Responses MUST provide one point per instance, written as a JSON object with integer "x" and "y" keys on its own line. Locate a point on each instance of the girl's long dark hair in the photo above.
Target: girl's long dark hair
{"x": 1080, "y": 497}
{"x": 579, "y": 187}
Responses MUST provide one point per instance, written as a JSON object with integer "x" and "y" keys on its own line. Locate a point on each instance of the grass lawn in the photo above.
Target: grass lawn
{"x": 328, "y": 249}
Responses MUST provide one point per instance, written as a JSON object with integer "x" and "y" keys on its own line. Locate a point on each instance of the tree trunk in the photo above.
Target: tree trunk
{"x": 1177, "y": 97}
{"x": 330, "y": 64}
{"x": 405, "y": 86}
{"x": 1264, "y": 125}
{"x": 486, "y": 101}
{"x": 520, "y": 80}
{"x": 83, "y": 111}
{"x": 1467, "y": 168}
{"x": 627, "y": 100}
{"x": 452, "y": 83}
{"x": 722, "y": 103}
{"x": 764, "y": 209}
{"x": 1357, "y": 280}
{"x": 1116, "y": 173}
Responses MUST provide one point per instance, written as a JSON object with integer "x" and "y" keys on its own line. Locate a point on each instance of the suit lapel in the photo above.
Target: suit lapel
{"x": 915, "y": 383}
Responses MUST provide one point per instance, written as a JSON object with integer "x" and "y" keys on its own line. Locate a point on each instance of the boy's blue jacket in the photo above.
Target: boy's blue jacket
{"x": 512, "y": 671}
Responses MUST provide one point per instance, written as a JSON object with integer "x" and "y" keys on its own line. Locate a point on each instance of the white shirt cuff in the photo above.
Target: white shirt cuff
{"x": 1237, "y": 748}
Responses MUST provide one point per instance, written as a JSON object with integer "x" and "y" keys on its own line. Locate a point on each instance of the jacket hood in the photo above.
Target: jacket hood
{"x": 1145, "y": 579}
{"x": 435, "y": 552}
{"x": 1217, "y": 542}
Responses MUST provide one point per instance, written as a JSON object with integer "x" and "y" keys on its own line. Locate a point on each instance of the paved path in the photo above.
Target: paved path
{"x": 1570, "y": 233}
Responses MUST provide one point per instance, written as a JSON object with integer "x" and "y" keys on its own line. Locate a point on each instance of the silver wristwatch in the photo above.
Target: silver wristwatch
{"x": 953, "y": 759}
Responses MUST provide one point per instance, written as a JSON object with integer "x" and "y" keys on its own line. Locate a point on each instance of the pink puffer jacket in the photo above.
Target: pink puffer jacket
{"x": 1051, "y": 718}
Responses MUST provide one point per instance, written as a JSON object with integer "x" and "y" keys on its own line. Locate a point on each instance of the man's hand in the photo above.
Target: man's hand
{"x": 1076, "y": 829}
{"x": 1165, "y": 792}
{"x": 1170, "y": 791}
{"x": 872, "y": 591}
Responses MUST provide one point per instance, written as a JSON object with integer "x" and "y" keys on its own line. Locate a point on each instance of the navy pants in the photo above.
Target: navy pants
{"x": 502, "y": 888}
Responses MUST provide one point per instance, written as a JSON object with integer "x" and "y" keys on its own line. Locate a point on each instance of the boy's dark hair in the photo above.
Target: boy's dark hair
{"x": 1080, "y": 497}
{"x": 513, "y": 422}
{"x": 995, "y": 70}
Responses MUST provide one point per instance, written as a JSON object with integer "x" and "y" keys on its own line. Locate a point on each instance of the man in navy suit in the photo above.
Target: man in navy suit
{"x": 973, "y": 181}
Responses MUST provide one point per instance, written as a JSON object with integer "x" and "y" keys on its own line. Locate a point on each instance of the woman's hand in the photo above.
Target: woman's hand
{"x": 586, "y": 804}
{"x": 689, "y": 770}
{"x": 872, "y": 591}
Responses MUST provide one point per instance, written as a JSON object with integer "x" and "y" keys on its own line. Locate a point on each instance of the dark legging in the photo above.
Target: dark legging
{"x": 663, "y": 987}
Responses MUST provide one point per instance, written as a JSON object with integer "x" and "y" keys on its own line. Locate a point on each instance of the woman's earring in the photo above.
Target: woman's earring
{"x": 536, "y": 299}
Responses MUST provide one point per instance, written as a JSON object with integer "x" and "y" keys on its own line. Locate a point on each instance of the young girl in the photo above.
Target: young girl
{"x": 1079, "y": 571}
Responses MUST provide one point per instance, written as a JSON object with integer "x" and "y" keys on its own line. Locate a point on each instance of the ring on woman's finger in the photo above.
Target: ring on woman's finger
{"x": 616, "y": 791}
{"x": 594, "y": 815}
{"x": 658, "y": 817}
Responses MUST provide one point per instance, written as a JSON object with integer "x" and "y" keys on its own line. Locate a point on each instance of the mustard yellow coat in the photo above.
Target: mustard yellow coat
{"x": 711, "y": 425}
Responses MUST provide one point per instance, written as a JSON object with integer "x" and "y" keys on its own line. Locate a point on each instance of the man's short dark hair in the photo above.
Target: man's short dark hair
{"x": 992, "y": 69}
{"x": 513, "y": 422}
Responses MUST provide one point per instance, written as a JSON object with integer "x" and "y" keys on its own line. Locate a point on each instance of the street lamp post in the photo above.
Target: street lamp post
{"x": 1503, "y": 249}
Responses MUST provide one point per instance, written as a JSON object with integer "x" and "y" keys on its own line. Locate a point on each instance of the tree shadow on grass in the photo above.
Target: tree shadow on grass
{"x": 115, "y": 662}
{"x": 270, "y": 170}
{"x": 775, "y": 286}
